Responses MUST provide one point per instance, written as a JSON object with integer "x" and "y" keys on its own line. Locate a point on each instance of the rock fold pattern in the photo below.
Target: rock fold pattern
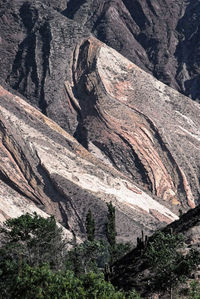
{"x": 83, "y": 125}
{"x": 44, "y": 168}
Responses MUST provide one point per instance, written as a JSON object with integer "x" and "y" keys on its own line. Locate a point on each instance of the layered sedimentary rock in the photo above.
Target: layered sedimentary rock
{"x": 43, "y": 167}
{"x": 127, "y": 127}
{"x": 146, "y": 129}
{"x": 162, "y": 37}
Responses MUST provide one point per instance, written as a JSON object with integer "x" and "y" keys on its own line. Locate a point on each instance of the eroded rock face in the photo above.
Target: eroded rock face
{"x": 116, "y": 112}
{"x": 162, "y": 37}
{"x": 146, "y": 129}
{"x": 36, "y": 40}
{"x": 36, "y": 45}
{"x": 45, "y": 166}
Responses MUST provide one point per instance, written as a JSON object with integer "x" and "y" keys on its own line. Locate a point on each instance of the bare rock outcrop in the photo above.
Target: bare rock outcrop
{"x": 114, "y": 109}
{"x": 43, "y": 167}
{"x": 146, "y": 129}
{"x": 161, "y": 37}
{"x": 108, "y": 130}
{"x": 35, "y": 49}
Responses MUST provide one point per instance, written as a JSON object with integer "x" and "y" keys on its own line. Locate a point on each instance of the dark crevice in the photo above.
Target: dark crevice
{"x": 23, "y": 66}
{"x": 139, "y": 166}
{"x": 45, "y": 32}
{"x": 81, "y": 135}
{"x": 72, "y": 7}
{"x": 136, "y": 11}
{"x": 53, "y": 193}
{"x": 151, "y": 7}
{"x": 25, "y": 71}
{"x": 12, "y": 185}
{"x": 115, "y": 158}
{"x": 29, "y": 16}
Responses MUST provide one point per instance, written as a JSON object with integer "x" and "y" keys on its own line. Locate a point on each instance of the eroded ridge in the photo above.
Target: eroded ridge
{"x": 45, "y": 168}
{"x": 130, "y": 117}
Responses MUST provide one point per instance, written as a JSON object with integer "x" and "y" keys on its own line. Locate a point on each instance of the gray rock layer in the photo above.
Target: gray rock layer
{"x": 162, "y": 37}
{"x": 119, "y": 114}
{"x": 44, "y": 169}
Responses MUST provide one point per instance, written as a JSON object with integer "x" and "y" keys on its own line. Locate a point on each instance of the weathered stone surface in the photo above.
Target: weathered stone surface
{"x": 36, "y": 45}
{"x": 119, "y": 113}
{"x": 42, "y": 163}
{"x": 162, "y": 37}
{"x": 147, "y": 130}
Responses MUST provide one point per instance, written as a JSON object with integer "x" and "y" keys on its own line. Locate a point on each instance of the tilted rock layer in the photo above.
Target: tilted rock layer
{"x": 40, "y": 162}
{"x": 146, "y": 129}
{"x": 127, "y": 127}
{"x": 160, "y": 36}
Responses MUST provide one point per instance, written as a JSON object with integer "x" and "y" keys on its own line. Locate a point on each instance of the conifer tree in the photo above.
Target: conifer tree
{"x": 111, "y": 230}
{"x": 90, "y": 226}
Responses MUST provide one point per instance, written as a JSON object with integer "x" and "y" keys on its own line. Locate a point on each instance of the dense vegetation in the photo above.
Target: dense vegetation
{"x": 36, "y": 262}
{"x": 166, "y": 258}
{"x": 163, "y": 265}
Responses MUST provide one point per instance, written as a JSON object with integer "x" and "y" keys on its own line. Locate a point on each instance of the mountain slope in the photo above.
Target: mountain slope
{"x": 55, "y": 69}
{"x": 161, "y": 37}
{"x": 138, "y": 123}
{"x": 133, "y": 270}
{"x": 108, "y": 130}
{"x": 44, "y": 164}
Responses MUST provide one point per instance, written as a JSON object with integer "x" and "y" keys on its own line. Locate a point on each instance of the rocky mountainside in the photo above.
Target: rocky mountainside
{"x": 162, "y": 37}
{"x": 99, "y": 128}
{"x": 42, "y": 167}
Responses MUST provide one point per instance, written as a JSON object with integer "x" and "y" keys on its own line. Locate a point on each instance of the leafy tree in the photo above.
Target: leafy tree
{"x": 132, "y": 295}
{"x": 98, "y": 288}
{"x": 90, "y": 226}
{"x": 29, "y": 241}
{"x": 86, "y": 257}
{"x": 194, "y": 291}
{"x": 164, "y": 256}
{"x": 34, "y": 239}
{"x": 41, "y": 282}
{"x": 9, "y": 270}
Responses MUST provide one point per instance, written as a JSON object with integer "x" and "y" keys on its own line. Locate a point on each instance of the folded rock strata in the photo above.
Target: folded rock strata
{"x": 146, "y": 129}
{"x": 141, "y": 131}
{"x": 43, "y": 167}
{"x": 161, "y": 37}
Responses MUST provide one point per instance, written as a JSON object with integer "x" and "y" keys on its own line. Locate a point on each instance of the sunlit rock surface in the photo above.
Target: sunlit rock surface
{"x": 43, "y": 167}
{"x": 161, "y": 37}
{"x": 147, "y": 130}
{"x": 135, "y": 140}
